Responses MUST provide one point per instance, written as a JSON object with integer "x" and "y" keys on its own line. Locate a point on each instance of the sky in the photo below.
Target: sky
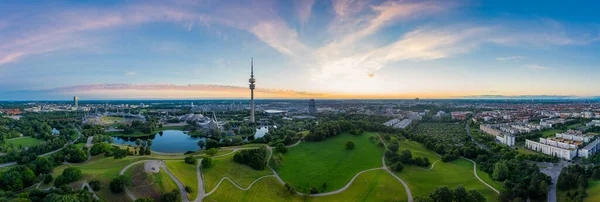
{"x": 184, "y": 49}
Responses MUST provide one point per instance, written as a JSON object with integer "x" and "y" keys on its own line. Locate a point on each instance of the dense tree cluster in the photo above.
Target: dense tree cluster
{"x": 280, "y": 148}
{"x": 173, "y": 196}
{"x": 118, "y": 184}
{"x": 207, "y": 162}
{"x": 68, "y": 175}
{"x": 333, "y": 128}
{"x": 575, "y": 177}
{"x": 17, "y": 178}
{"x": 74, "y": 154}
{"x": 26, "y": 156}
{"x": 190, "y": 160}
{"x": 255, "y": 158}
{"x": 445, "y": 194}
{"x": 405, "y": 157}
{"x": 99, "y": 148}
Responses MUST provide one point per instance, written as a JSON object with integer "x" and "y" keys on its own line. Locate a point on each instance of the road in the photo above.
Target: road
{"x": 482, "y": 146}
{"x": 553, "y": 171}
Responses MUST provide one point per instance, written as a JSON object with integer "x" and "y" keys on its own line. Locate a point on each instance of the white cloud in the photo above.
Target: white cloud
{"x": 536, "y": 66}
{"x": 130, "y": 73}
{"x": 304, "y": 9}
{"x": 511, "y": 58}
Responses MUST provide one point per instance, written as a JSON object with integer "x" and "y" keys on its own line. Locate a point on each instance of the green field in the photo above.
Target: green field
{"x": 593, "y": 192}
{"x": 527, "y": 151}
{"x": 451, "y": 174}
{"x": 99, "y": 168}
{"x": 315, "y": 163}
{"x": 377, "y": 185}
{"x": 488, "y": 179}
{"x": 550, "y": 132}
{"x": 267, "y": 189}
{"x": 138, "y": 133}
{"x": 186, "y": 173}
{"x": 24, "y": 141}
{"x": 224, "y": 166}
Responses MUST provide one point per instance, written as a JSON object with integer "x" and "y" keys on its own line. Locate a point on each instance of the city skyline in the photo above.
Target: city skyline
{"x": 305, "y": 49}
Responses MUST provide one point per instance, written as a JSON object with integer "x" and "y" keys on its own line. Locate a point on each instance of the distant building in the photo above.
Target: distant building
{"x": 76, "y": 101}
{"x": 312, "y": 109}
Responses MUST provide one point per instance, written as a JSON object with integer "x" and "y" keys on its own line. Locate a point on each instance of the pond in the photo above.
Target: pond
{"x": 171, "y": 141}
{"x": 260, "y": 132}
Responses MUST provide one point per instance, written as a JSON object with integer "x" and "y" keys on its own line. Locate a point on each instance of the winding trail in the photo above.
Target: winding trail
{"x": 84, "y": 185}
{"x": 201, "y": 191}
{"x": 477, "y": 176}
{"x": 236, "y": 185}
{"x": 433, "y": 164}
{"x": 406, "y": 188}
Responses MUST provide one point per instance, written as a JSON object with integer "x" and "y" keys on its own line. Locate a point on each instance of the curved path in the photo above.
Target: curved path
{"x": 406, "y": 188}
{"x": 433, "y": 164}
{"x": 84, "y": 185}
{"x": 235, "y": 184}
{"x": 201, "y": 191}
{"x": 475, "y": 172}
{"x": 164, "y": 167}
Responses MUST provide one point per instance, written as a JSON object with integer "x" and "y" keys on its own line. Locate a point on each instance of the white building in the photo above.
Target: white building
{"x": 589, "y": 149}
{"x": 567, "y": 154}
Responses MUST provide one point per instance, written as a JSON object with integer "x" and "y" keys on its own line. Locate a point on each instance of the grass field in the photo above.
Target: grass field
{"x": 315, "y": 163}
{"x": 138, "y": 133}
{"x": 488, "y": 179}
{"x": 186, "y": 173}
{"x": 224, "y": 166}
{"x": 377, "y": 185}
{"x": 267, "y": 189}
{"x": 24, "y": 141}
{"x": 147, "y": 184}
{"x": 550, "y": 132}
{"x": 99, "y": 168}
{"x": 451, "y": 174}
{"x": 527, "y": 151}
{"x": 593, "y": 192}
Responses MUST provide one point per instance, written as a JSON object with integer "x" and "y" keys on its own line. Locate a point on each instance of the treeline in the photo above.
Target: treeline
{"x": 574, "y": 179}
{"x": 445, "y": 194}
{"x": 144, "y": 127}
{"x": 333, "y": 128}
{"x": 25, "y": 156}
{"x": 255, "y": 158}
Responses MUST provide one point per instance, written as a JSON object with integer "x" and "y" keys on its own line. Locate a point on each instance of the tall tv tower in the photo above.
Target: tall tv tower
{"x": 252, "y": 81}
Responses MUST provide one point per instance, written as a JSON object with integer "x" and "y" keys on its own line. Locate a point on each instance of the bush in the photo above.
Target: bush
{"x": 99, "y": 148}
{"x": 255, "y": 158}
{"x": 207, "y": 162}
{"x": 281, "y": 148}
{"x": 349, "y": 145}
{"x": 48, "y": 179}
{"x": 70, "y": 174}
{"x": 173, "y": 196}
{"x": 190, "y": 160}
{"x": 118, "y": 184}
{"x": 397, "y": 167}
{"x": 212, "y": 151}
{"x": 95, "y": 185}
{"x": 188, "y": 189}
{"x": 149, "y": 199}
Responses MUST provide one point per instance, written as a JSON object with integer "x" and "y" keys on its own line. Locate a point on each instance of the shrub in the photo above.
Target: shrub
{"x": 149, "y": 199}
{"x": 349, "y": 145}
{"x": 212, "y": 151}
{"x": 95, "y": 185}
{"x": 281, "y": 148}
{"x": 207, "y": 162}
{"x": 188, "y": 189}
{"x": 70, "y": 174}
{"x": 118, "y": 184}
{"x": 48, "y": 179}
{"x": 397, "y": 167}
{"x": 190, "y": 160}
{"x": 173, "y": 196}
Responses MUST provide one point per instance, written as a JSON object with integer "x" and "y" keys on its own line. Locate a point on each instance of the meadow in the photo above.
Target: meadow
{"x": 224, "y": 166}
{"x": 147, "y": 184}
{"x": 328, "y": 162}
{"x": 186, "y": 173}
{"x": 24, "y": 141}
{"x": 423, "y": 181}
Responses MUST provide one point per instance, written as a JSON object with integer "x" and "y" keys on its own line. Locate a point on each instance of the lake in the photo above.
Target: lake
{"x": 171, "y": 141}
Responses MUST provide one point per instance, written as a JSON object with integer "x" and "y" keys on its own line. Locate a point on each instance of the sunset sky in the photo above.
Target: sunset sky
{"x": 301, "y": 49}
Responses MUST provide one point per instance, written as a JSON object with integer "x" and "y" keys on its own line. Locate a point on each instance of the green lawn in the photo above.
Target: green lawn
{"x": 593, "y": 192}
{"x": 550, "y": 132}
{"x": 377, "y": 185}
{"x": 488, "y": 179}
{"x": 186, "y": 173}
{"x": 25, "y": 141}
{"x": 138, "y": 133}
{"x": 451, "y": 174}
{"x": 316, "y": 163}
{"x": 527, "y": 151}
{"x": 99, "y": 168}
{"x": 224, "y": 166}
{"x": 267, "y": 189}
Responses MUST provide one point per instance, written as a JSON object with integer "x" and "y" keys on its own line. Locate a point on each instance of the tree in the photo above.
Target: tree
{"x": 281, "y": 148}
{"x": 290, "y": 188}
{"x": 188, "y": 189}
{"x": 461, "y": 195}
{"x": 212, "y": 151}
{"x": 406, "y": 156}
{"x": 48, "y": 179}
{"x": 397, "y": 167}
{"x": 138, "y": 142}
{"x": 190, "y": 160}
{"x": 501, "y": 171}
{"x": 118, "y": 184}
{"x": 95, "y": 185}
{"x": 394, "y": 147}
{"x": 475, "y": 196}
{"x": 349, "y": 145}
{"x": 149, "y": 142}
{"x": 207, "y": 162}
{"x": 173, "y": 196}
{"x": 149, "y": 199}
{"x": 442, "y": 194}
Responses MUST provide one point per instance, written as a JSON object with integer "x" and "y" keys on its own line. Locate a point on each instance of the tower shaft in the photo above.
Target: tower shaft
{"x": 252, "y": 81}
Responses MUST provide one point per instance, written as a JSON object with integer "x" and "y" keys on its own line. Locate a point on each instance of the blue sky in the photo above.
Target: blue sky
{"x": 302, "y": 49}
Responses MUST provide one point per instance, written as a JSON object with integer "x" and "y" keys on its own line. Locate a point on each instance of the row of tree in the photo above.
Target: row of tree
{"x": 255, "y": 158}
